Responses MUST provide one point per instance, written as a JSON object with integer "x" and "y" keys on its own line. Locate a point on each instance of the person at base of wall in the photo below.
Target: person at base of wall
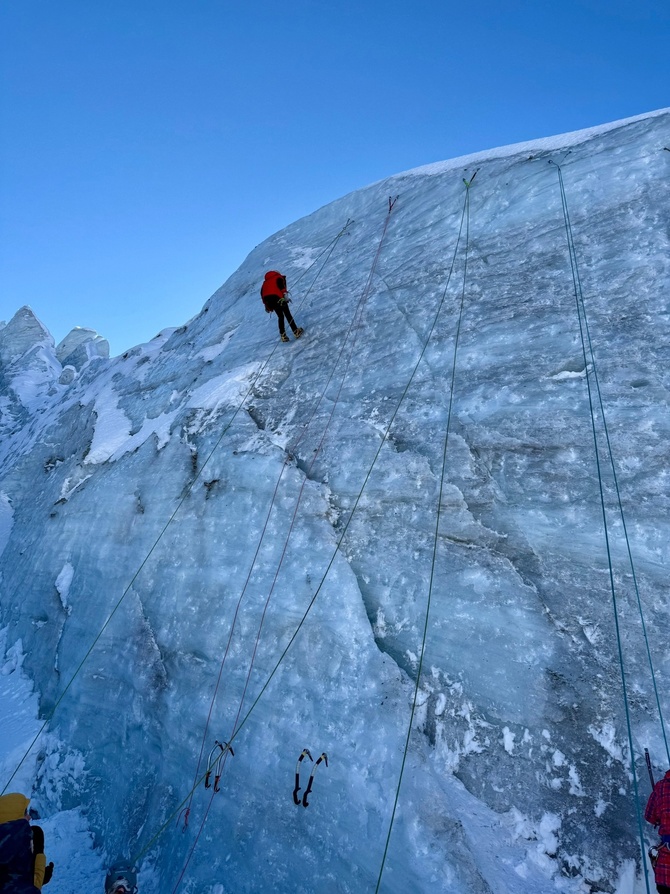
{"x": 23, "y": 865}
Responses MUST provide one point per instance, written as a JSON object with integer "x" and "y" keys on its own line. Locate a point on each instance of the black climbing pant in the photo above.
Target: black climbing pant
{"x": 283, "y": 313}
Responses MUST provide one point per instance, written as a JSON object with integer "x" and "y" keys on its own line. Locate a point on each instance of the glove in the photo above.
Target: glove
{"x": 38, "y": 839}
{"x": 268, "y": 310}
{"x": 48, "y": 872}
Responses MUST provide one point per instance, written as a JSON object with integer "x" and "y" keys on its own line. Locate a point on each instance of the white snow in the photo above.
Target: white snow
{"x": 508, "y": 740}
{"x": 63, "y": 582}
{"x": 112, "y": 429}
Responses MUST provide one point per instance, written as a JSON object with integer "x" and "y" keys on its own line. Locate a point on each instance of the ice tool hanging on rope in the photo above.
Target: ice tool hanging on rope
{"x": 215, "y": 763}
{"x": 324, "y": 757}
{"x": 303, "y": 754}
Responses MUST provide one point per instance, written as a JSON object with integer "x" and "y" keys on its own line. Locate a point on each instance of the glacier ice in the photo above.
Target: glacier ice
{"x": 135, "y": 491}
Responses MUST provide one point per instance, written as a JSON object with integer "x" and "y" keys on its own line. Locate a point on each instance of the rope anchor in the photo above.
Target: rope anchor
{"x": 215, "y": 762}
{"x": 468, "y": 183}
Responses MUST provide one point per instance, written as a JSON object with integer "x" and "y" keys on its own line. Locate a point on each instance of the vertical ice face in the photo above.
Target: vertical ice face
{"x": 256, "y": 452}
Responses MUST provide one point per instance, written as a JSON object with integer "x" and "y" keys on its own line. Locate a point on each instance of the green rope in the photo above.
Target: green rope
{"x": 234, "y": 734}
{"x": 336, "y": 552}
{"x": 466, "y": 214}
{"x": 345, "y": 527}
{"x": 615, "y": 479}
{"x": 187, "y": 492}
{"x": 581, "y": 310}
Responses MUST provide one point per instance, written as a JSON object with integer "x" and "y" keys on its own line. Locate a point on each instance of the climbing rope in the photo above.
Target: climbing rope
{"x": 260, "y": 541}
{"x": 352, "y": 325}
{"x": 337, "y": 546}
{"x": 335, "y": 553}
{"x": 315, "y": 454}
{"x": 615, "y": 479}
{"x": 585, "y": 340}
{"x": 438, "y": 514}
{"x": 345, "y": 527}
{"x": 331, "y": 245}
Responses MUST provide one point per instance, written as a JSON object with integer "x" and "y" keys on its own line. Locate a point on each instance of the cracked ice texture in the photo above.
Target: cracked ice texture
{"x": 517, "y": 779}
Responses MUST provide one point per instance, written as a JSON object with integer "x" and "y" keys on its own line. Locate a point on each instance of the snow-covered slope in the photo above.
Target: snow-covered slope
{"x": 151, "y": 501}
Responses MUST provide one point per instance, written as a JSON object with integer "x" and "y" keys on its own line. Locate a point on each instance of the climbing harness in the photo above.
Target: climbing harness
{"x": 324, "y": 758}
{"x": 215, "y": 762}
{"x": 591, "y": 372}
{"x": 303, "y": 754}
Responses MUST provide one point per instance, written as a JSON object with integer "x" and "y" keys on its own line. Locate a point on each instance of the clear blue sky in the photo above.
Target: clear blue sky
{"x": 146, "y": 146}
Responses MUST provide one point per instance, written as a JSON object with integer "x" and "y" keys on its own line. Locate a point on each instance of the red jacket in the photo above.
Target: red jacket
{"x": 657, "y": 813}
{"x": 274, "y": 286}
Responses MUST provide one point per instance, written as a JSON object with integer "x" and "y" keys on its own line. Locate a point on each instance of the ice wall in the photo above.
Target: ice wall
{"x": 517, "y": 777}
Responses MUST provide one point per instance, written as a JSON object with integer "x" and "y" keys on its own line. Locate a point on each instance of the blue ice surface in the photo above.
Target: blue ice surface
{"x": 191, "y": 499}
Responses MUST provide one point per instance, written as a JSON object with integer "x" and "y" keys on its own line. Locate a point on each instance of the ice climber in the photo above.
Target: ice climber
{"x": 657, "y": 813}
{"x": 275, "y": 298}
{"x": 23, "y": 866}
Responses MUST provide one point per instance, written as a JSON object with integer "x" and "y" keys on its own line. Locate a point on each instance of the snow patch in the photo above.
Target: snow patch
{"x": 606, "y": 737}
{"x": 225, "y": 389}
{"x": 211, "y": 352}
{"x": 508, "y": 740}
{"x": 112, "y": 429}
{"x": 63, "y": 582}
